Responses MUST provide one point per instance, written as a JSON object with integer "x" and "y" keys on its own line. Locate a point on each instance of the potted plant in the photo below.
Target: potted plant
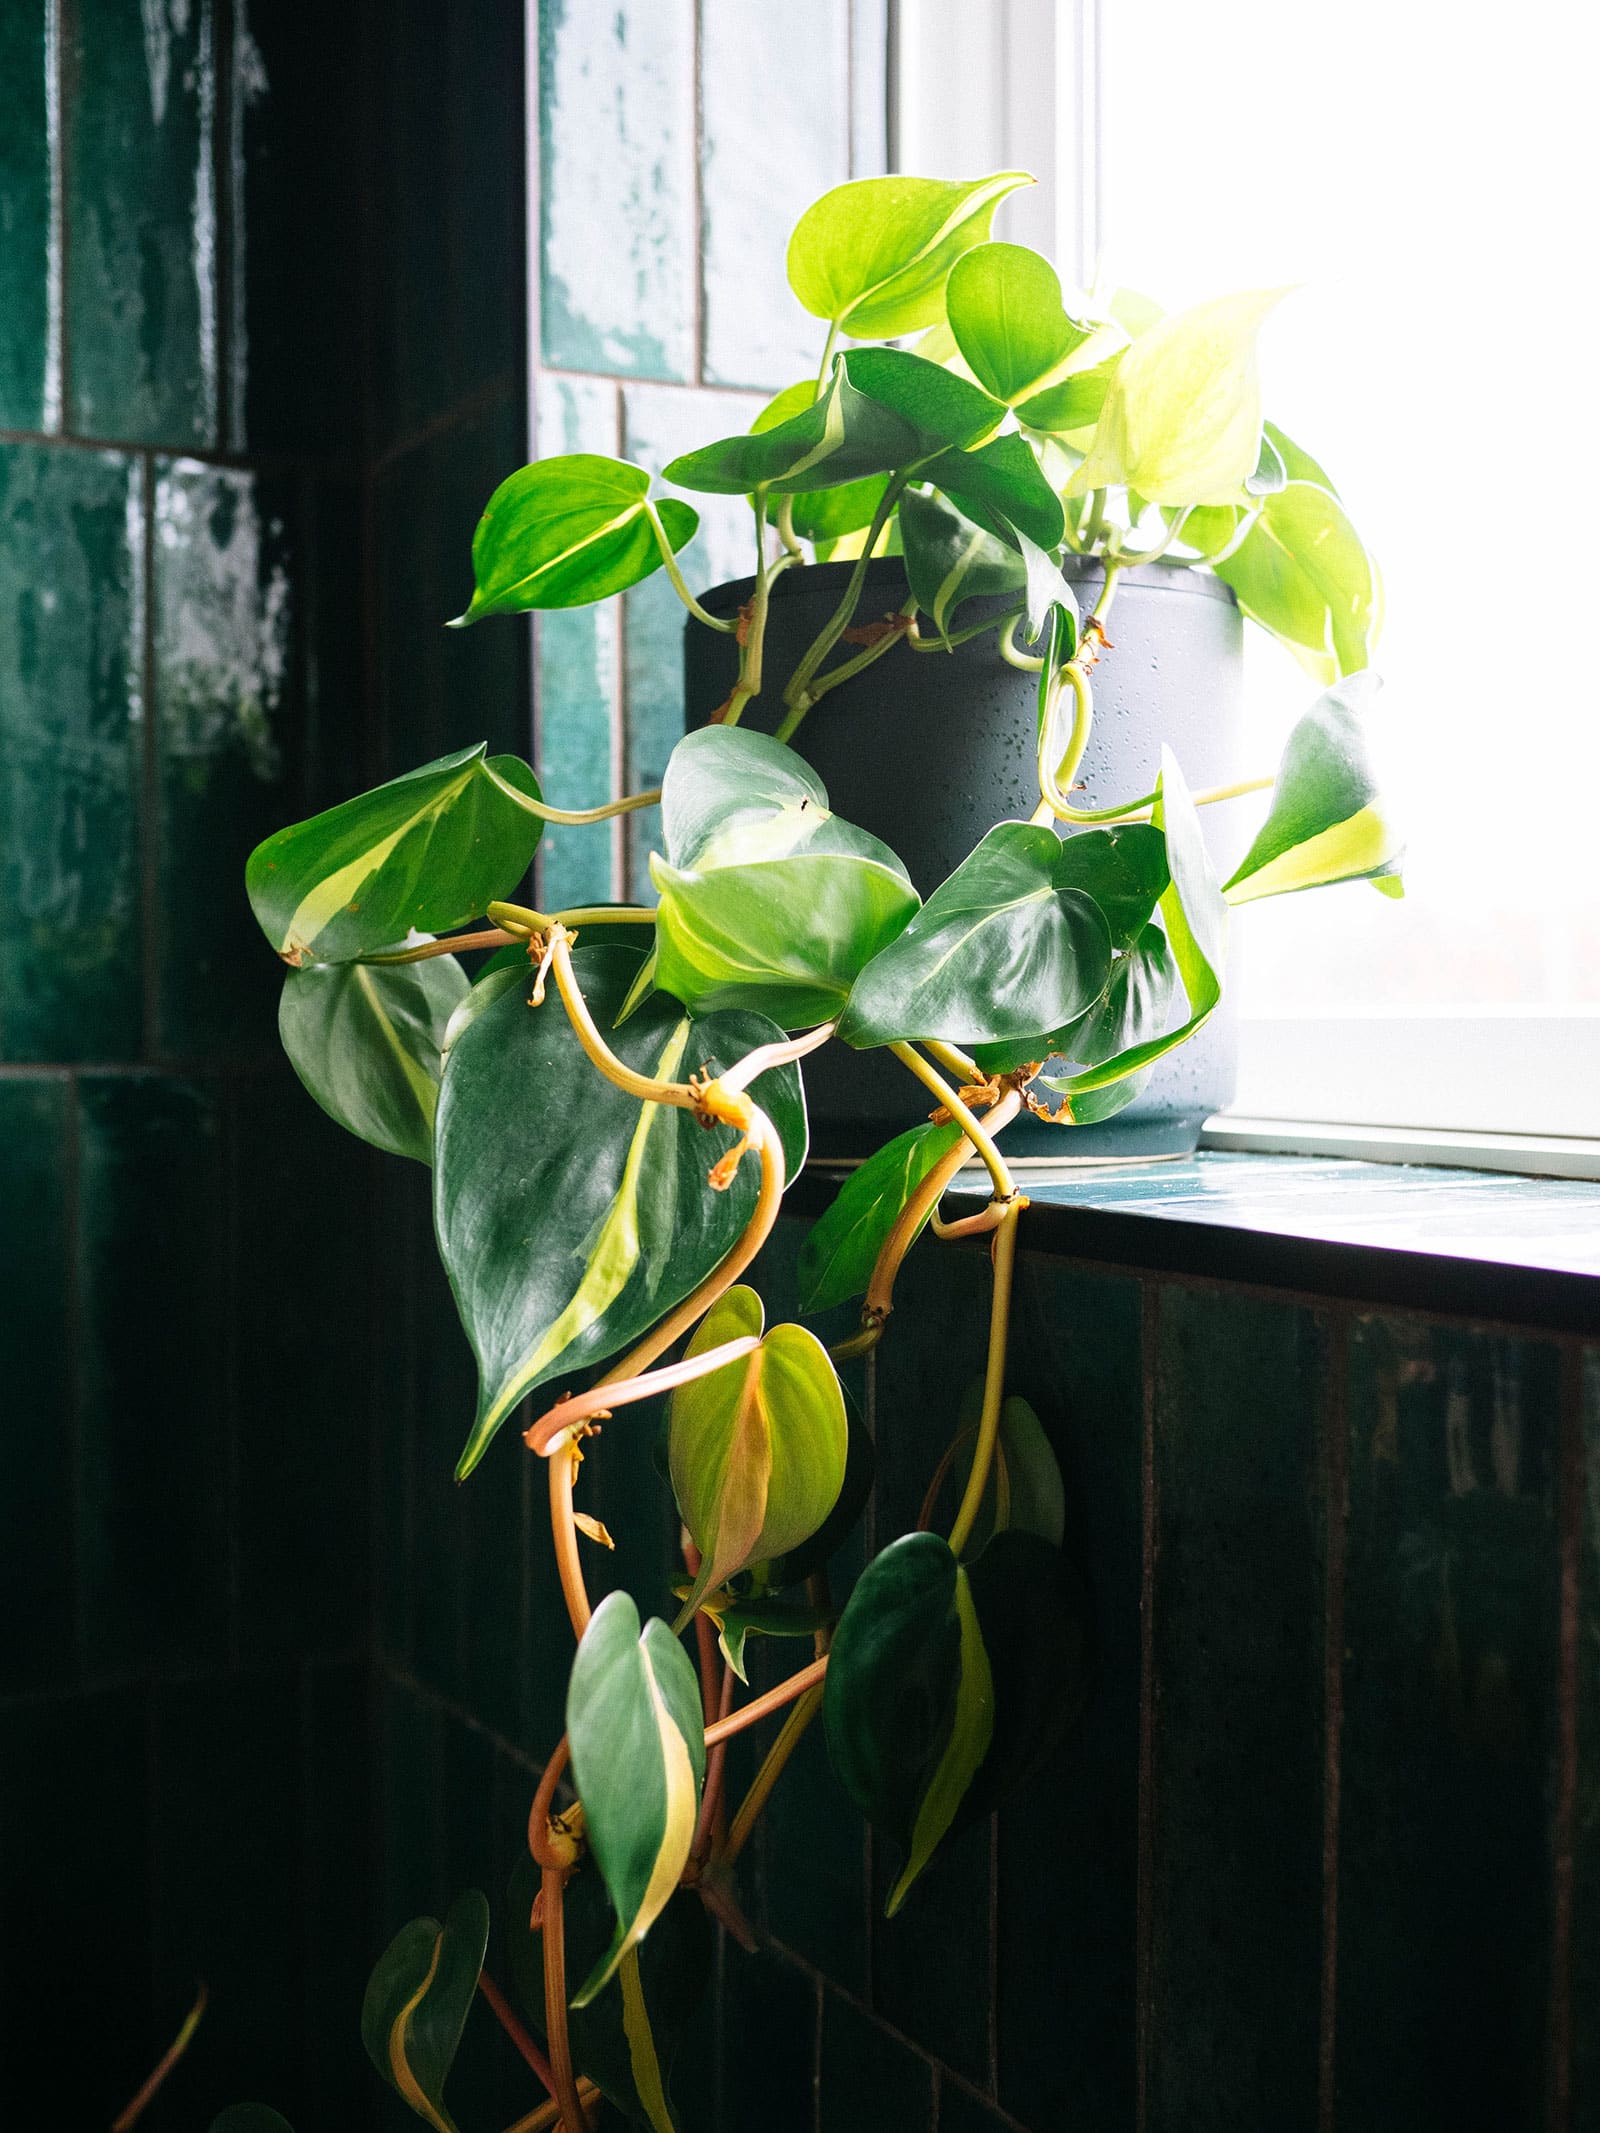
{"x": 615, "y": 1102}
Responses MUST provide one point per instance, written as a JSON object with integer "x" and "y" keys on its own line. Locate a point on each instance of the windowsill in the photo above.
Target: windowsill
{"x": 1480, "y": 1244}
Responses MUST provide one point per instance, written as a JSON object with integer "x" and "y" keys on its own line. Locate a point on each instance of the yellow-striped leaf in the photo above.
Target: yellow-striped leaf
{"x": 366, "y": 1039}
{"x": 756, "y": 1449}
{"x": 1327, "y": 821}
{"x": 570, "y": 1216}
{"x": 417, "y": 2000}
{"x": 638, "y": 1760}
{"x": 419, "y": 855}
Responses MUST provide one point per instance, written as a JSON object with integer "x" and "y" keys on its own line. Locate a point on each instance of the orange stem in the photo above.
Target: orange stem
{"x": 505, "y": 2015}
{"x": 563, "y": 1466}
{"x": 749, "y": 1714}
{"x": 134, "y": 2111}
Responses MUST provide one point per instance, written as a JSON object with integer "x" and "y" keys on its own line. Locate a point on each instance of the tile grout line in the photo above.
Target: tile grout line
{"x": 1336, "y": 1482}
{"x": 59, "y": 30}
{"x": 1569, "y": 1544}
{"x": 149, "y": 762}
{"x": 227, "y": 419}
{"x": 1144, "y": 1953}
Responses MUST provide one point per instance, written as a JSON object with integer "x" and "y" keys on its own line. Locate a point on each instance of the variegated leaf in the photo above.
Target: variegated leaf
{"x": 417, "y": 2000}
{"x": 1327, "y": 821}
{"x": 366, "y": 1040}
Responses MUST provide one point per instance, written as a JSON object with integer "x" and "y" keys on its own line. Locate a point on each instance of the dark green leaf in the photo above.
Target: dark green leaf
{"x": 1002, "y": 487}
{"x": 1302, "y": 573}
{"x": 828, "y": 514}
{"x": 1002, "y": 945}
{"x": 1326, "y": 822}
{"x": 635, "y": 1727}
{"x": 1024, "y": 1492}
{"x": 950, "y": 559}
{"x": 1033, "y": 1612}
{"x": 1133, "y": 1009}
{"x": 250, "y": 2118}
{"x": 1004, "y": 306}
{"x": 568, "y": 531}
{"x": 417, "y": 2001}
{"x": 365, "y": 1039}
{"x": 570, "y": 1217}
{"x": 1124, "y": 869}
{"x": 422, "y": 854}
{"x": 842, "y": 1245}
{"x": 874, "y": 256}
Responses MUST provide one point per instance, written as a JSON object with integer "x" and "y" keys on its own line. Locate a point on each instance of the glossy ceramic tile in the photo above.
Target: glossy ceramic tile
{"x": 70, "y": 719}
{"x": 1238, "y": 1655}
{"x": 142, "y": 269}
{"x": 962, "y": 2112}
{"x": 775, "y": 133}
{"x": 156, "y": 1460}
{"x": 769, "y": 2033}
{"x": 228, "y": 747}
{"x": 932, "y": 1962}
{"x": 30, "y": 320}
{"x": 869, "y": 2073}
{"x": 617, "y": 187}
{"x": 1449, "y": 1729}
{"x": 578, "y": 677}
{"x": 37, "y": 1599}
{"x": 338, "y": 1931}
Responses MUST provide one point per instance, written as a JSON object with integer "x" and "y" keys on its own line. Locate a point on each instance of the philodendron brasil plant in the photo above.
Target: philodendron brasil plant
{"x": 613, "y": 1104}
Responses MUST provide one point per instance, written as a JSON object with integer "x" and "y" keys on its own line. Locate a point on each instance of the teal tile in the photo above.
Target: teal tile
{"x": 336, "y": 1923}
{"x": 1238, "y": 1640}
{"x": 776, "y": 133}
{"x": 303, "y": 1340}
{"x": 155, "y": 1470}
{"x": 617, "y": 187}
{"x": 931, "y": 1962}
{"x": 868, "y": 2076}
{"x": 1450, "y": 1636}
{"x": 36, "y": 1528}
{"x": 1585, "y": 1975}
{"x": 962, "y": 2112}
{"x": 331, "y": 583}
{"x": 30, "y": 324}
{"x": 1068, "y": 1843}
{"x": 75, "y": 1866}
{"x": 815, "y": 1891}
{"x": 438, "y": 688}
{"x": 769, "y": 2046}
{"x": 579, "y": 678}
{"x": 658, "y": 424}
{"x": 70, "y": 713}
{"x": 142, "y": 268}
{"x": 227, "y": 712}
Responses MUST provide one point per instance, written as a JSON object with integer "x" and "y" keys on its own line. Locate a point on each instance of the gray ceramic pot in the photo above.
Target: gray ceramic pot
{"x": 928, "y": 751}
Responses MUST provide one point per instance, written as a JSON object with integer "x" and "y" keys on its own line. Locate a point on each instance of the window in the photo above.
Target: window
{"x": 1420, "y": 176}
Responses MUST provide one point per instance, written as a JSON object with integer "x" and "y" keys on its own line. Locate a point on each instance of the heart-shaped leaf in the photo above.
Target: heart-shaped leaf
{"x": 882, "y": 408}
{"x": 1074, "y": 404}
{"x": 756, "y": 1449}
{"x": 815, "y": 1553}
{"x": 570, "y": 1217}
{"x": 1024, "y": 1491}
{"x": 366, "y": 1038}
{"x": 1196, "y": 920}
{"x": 420, "y": 855}
{"x": 873, "y": 256}
{"x": 768, "y": 900}
{"x": 949, "y": 558}
{"x": 1002, "y": 945}
{"x": 1302, "y": 573}
{"x": 1033, "y": 1613}
{"x": 417, "y": 2001}
{"x": 842, "y": 1245}
{"x": 909, "y": 1701}
{"x": 1133, "y": 1009}
{"x": 637, "y": 1736}
{"x": 1182, "y": 421}
{"x": 1002, "y": 486}
{"x": 1004, "y": 306}
{"x": 250, "y": 2118}
{"x": 627, "y": 2037}
{"x": 567, "y": 531}
{"x": 1326, "y": 822}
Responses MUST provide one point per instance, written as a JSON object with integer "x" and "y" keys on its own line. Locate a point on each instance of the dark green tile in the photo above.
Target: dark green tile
{"x": 1449, "y": 1724}
{"x": 1585, "y": 1975}
{"x": 769, "y": 2045}
{"x": 929, "y": 1359}
{"x": 337, "y": 1923}
{"x": 813, "y": 1851}
{"x": 228, "y": 714}
{"x": 70, "y": 711}
{"x": 157, "y": 1456}
{"x": 36, "y": 1526}
{"x": 445, "y": 1391}
{"x": 1068, "y": 1844}
{"x": 411, "y": 1874}
{"x": 141, "y": 273}
{"x": 775, "y": 133}
{"x": 400, "y": 1238}
{"x": 579, "y": 678}
{"x": 495, "y": 1536}
{"x": 449, "y": 279}
{"x": 439, "y": 688}
{"x": 869, "y": 2077}
{"x": 962, "y": 2112}
{"x": 337, "y": 748}
{"x": 931, "y": 1963}
{"x": 75, "y": 1887}
{"x": 1236, "y": 1889}
{"x": 228, "y": 1820}
{"x": 304, "y": 1334}
{"x": 617, "y": 154}
{"x": 30, "y": 344}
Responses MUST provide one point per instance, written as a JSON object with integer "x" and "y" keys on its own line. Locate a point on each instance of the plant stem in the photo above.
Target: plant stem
{"x": 908, "y": 1224}
{"x": 716, "y": 1767}
{"x": 953, "y": 1061}
{"x": 748, "y": 684}
{"x": 549, "y": 2114}
{"x": 785, "y": 525}
{"x": 605, "y": 1397}
{"x": 750, "y": 1714}
{"x": 644, "y": 1086}
{"x": 130, "y": 2115}
{"x": 506, "y": 2016}
{"x": 947, "y": 641}
{"x": 827, "y": 355}
{"x": 607, "y": 915}
{"x": 796, "y": 696}
{"x": 767, "y": 1056}
{"x": 489, "y": 937}
{"x": 552, "y": 1884}
{"x": 1096, "y": 520}
{"x": 1022, "y": 661}
{"x": 993, "y": 1161}
{"x": 1005, "y": 1253}
{"x": 563, "y": 1464}
{"x": 670, "y": 564}
{"x": 772, "y": 1767}
{"x": 847, "y": 669}
{"x": 576, "y": 816}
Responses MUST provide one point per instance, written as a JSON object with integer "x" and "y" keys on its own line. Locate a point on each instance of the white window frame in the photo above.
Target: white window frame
{"x": 1506, "y": 1090}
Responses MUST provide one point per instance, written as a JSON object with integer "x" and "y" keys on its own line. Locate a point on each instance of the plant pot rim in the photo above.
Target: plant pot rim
{"x": 727, "y": 598}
